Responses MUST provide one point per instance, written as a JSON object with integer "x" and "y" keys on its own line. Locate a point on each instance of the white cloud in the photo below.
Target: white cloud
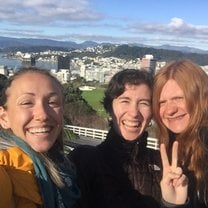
{"x": 79, "y": 20}
{"x": 46, "y": 11}
{"x": 176, "y": 23}
{"x": 176, "y": 27}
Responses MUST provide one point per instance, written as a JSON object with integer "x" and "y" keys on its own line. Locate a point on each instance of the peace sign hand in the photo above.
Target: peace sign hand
{"x": 174, "y": 184}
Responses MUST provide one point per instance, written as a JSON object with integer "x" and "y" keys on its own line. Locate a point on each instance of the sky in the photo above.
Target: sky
{"x": 150, "y": 22}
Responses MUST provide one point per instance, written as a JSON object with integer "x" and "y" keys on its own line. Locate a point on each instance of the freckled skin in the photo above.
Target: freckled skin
{"x": 173, "y": 109}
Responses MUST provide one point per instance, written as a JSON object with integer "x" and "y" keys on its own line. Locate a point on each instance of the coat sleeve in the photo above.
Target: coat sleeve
{"x": 5, "y": 189}
{"x": 165, "y": 204}
{"x": 17, "y": 169}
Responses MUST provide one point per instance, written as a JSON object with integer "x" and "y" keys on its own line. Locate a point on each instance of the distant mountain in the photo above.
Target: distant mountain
{"x": 185, "y": 49}
{"x": 7, "y": 43}
{"x": 88, "y": 44}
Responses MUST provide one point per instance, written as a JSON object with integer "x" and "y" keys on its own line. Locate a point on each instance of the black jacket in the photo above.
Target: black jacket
{"x": 116, "y": 174}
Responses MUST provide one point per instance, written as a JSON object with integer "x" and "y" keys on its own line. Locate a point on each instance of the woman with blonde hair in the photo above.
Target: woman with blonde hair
{"x": 180, "y": 108}
{"x": 33, "y": 166}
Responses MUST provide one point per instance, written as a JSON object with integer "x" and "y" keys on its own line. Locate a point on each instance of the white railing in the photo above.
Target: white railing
{"x": 152, "y": 143}
{"x": 88, "y": 132}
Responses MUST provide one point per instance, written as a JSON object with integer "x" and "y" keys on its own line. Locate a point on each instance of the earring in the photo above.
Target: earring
{"x": 110, "y": 121}
{"x": 3, "y": 125}
{"x": 150, "y": 124}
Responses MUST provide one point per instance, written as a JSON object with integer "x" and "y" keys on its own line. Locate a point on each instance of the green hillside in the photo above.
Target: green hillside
{"x": 94, "y": 99}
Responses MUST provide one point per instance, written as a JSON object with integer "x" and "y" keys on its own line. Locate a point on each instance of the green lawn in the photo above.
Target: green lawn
{"x": 94, "y": 99}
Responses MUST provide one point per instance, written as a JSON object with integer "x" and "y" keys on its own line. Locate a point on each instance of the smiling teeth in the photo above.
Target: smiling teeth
{"x": 39, "y": 130}
{"x": 131, "y": 124}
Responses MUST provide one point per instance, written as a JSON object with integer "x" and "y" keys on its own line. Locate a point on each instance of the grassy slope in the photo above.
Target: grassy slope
{"x": 94, "y": 99}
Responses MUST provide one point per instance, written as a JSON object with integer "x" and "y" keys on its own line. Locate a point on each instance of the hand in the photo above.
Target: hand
{"x": 174, "y": 184}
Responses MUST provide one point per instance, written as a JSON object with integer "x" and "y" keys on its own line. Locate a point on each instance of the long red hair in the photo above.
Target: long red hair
{"x": 193, "y": 147}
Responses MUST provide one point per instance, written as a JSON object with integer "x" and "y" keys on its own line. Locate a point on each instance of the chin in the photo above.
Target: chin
{"x": 176, "y": 131}
{"x": 130, "y": 138}
{"x": 42, "y": 149}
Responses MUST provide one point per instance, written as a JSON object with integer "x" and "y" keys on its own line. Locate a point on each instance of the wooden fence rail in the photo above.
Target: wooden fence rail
{"x": 152, "y": 143}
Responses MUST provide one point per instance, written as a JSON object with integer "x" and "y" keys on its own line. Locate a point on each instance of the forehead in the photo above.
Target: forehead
{"x": 141, "y": 90}
{"x": 33, "y": 81}
{"x": 134, "y": 86}
{"x": 171, "y": 88}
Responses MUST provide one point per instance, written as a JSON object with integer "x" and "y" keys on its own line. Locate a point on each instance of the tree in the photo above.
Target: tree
{"x": 3, "y": 79}
{"x": 78, "y": 112}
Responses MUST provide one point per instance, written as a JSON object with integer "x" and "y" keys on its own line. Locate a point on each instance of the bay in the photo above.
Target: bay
{"x": 16, "y": 63}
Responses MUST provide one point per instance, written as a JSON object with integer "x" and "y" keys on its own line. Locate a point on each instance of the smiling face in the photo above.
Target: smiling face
{"x": 173, "y": 109}
{"x": 132, "y": 111}
{"x": 34, "y": 110}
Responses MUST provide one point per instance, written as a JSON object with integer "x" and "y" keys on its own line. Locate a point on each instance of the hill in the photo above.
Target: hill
{"x": 130, "y": 51}
{"x": 7, "y": 43}
{"x": 11, "y": 43}
{"x": 94, "y": 99}
{"x": 133, "y": 52}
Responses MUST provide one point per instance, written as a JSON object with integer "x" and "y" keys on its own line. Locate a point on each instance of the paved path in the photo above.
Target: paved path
{"x": 83, "y": 141}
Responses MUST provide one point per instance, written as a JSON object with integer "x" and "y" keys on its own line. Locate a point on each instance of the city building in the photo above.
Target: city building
{"x": 63, "y": 62}
{"x": 63, "y": 75}
{"x": 4, "y": 70}
{"x": 28, "y": 60}
{"x": 148, "y": 63}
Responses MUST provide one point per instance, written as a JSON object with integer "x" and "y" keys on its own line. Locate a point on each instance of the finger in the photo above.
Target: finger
{"x": 164, "y": 157}
{"x": 181, "y": 181}
{"x": 178, "y": 170}
{"x": 171, "y": 178}
{"x": 174, "y": 155}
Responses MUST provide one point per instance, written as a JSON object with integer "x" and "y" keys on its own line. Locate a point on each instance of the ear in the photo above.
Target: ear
{"x": 4, "y": 121}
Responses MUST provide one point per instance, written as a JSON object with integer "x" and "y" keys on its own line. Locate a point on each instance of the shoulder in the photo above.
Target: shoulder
{"x": 15, "y": 157}
{"x": 153, "y": 153}
{"x": 86, "y": 161}
{"x": 16, "y": 170}
{"x": 154, "y": 159}
{"x": 83, "y": 153}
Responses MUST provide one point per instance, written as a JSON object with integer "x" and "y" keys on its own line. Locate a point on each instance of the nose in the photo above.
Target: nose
{"x": 171, "y": 108}
{"x": 41, "y": 112}
{"x": 134, "y": 111}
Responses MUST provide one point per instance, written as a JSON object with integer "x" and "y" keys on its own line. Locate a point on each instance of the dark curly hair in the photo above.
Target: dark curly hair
{"x": 117, "y": 84}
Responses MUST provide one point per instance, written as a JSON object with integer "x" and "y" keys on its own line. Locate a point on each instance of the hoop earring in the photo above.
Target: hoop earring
{"x": 110, "y": 121}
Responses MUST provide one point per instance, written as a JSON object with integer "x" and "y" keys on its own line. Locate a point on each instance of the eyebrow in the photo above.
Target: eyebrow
{"x": 32, "y": 93}
{"x": 142, "y": 99}
{"x": 172, "y": 98}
